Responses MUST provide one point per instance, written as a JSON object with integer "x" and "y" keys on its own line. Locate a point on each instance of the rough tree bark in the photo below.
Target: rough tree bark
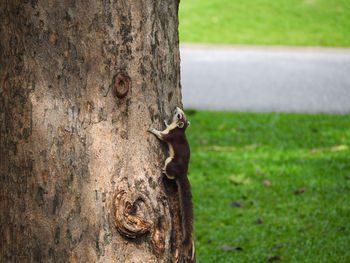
{"x": 80, "y": 83}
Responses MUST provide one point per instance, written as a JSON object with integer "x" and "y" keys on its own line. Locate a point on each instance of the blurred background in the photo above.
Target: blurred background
{"x": 266, "y": 86}
{"x": 261, "y": 55}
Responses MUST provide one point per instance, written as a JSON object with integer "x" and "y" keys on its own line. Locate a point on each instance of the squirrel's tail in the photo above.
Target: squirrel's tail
{"x": 186, "y": 206}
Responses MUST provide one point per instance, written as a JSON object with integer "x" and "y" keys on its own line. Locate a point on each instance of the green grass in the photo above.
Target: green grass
{"x": 266, "y": 22}
{"x": 234, "y": 153}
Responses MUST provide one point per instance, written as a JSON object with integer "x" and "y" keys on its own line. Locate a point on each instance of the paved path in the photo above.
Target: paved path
{"x": 263, "y": 79}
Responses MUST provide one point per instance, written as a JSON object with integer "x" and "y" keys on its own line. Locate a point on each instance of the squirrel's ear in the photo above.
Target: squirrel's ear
{"x": 180, "y": 125}
{"x": 188, "y": 123}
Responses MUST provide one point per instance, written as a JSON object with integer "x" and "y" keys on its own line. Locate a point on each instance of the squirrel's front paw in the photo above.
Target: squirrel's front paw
{"x": 150, "y": 129}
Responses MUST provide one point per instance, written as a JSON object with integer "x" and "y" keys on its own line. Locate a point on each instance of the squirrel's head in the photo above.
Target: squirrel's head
{"x": 179, "y": 119}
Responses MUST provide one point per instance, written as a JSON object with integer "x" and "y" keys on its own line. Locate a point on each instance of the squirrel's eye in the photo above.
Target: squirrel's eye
{"x": 180, "y": 125}
{"x": 179, "y": 116}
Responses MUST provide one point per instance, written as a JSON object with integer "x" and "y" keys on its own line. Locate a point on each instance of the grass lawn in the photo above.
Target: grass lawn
{"x": 270, "y": 187}
{"x": 266, "y": 22}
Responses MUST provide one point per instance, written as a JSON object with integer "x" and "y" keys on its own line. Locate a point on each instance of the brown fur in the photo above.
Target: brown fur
{"x": 176, "y": 167}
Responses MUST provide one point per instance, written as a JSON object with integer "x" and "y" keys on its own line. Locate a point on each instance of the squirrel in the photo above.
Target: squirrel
{"x": 176, "y": 167}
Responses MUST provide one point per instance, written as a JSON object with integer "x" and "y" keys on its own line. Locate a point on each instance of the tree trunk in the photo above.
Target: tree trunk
{"x": 80, "y": 83}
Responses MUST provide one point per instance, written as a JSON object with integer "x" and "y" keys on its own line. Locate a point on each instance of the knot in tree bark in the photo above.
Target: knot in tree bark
{"x": 122, "y": 84}
{"x": 133, "y": 213}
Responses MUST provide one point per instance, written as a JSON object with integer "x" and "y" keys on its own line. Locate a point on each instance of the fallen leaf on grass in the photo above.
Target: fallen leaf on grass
{"x": 274, "y": 258}
{"x": 259, "y": 221}
{"x": 219, "y": 148}
{"x": 201, "y": 141}
{"x": 278, "y": 246}
{"x": 267, "y": 183}
{"x": 250, "y": 147}
{"x": 300, "y": 191}
{"x": 229, "y": 248}
{"x": 237, "y": 204}
{"x": 339, "y": 148}
{"x": 239, "y": 179}
{"x": 335, "y": 148}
